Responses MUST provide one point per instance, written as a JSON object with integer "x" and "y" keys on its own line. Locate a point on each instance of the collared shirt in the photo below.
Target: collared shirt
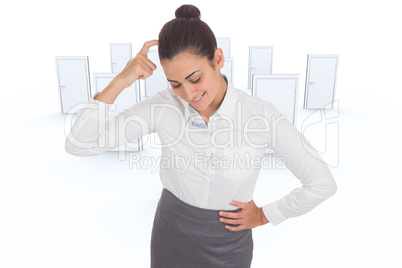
{"x": 210, "y": 164}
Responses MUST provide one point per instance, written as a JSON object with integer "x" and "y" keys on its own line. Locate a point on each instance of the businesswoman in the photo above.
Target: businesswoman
{"x": 206, "y": 211}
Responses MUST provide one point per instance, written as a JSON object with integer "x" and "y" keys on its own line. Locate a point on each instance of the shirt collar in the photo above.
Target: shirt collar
{"x": 226, "y": 108}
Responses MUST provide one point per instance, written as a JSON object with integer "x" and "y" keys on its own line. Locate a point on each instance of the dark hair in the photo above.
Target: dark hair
{"x": 187, "y": 32}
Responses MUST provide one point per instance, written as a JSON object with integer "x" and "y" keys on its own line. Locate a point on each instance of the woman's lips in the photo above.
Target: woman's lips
{"x": 199, "y": 99}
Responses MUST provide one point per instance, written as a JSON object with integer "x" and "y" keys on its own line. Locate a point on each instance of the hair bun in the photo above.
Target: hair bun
{"x": 188, "y": 12}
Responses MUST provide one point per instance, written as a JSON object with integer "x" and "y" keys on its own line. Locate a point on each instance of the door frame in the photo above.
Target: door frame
{"x": 307, "y": 81}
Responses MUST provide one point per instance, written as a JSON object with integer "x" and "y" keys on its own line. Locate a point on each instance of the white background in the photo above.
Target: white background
{"x": 58, "y": 210}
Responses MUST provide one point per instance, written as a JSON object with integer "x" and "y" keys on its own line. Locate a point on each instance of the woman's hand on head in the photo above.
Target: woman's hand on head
{"x": 139, "y": 67}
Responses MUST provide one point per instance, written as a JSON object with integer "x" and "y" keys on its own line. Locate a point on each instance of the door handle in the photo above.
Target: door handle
{"x": 311, "y": 83}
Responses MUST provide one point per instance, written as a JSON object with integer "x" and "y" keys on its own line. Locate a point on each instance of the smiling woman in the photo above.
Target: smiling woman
{"x": 204, "y": 88}
{"x": 198, "y": 52}
{"x": 206, "y": 212}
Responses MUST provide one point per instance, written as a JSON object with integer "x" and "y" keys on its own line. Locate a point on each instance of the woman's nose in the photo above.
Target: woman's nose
{"x": 191, "y": 93}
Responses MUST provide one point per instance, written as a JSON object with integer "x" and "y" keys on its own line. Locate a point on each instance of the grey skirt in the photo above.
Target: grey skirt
{"x": 185, "y": 236}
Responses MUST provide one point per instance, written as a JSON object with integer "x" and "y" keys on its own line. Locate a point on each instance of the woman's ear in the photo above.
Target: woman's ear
{"x": 219, "y": 59}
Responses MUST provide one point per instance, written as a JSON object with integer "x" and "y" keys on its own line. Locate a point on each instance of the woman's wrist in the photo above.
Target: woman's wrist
{"x": 111, "y": 91}
{"x": 264, "y": 219}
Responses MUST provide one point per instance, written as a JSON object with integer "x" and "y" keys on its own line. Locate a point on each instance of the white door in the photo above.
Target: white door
{"x": 281, "y": 90}
{"x": 73, "y": 81}
{"x": 126, "y": 98}
{"x": 320, "y": 81}
{"x": 157, "y": 81}
{"x": 224, "y": 43}
{"x": 120, "y": 54}
{"x": 260, "y": 61}
{"x": 228, "y": 69}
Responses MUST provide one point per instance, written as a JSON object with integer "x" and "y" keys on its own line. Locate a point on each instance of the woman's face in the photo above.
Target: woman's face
{"x": 194, "y": 79}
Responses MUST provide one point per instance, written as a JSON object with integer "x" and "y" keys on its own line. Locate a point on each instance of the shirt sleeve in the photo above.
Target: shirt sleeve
{"x": 94, "y": 131}
{"x": 305, "y": 163}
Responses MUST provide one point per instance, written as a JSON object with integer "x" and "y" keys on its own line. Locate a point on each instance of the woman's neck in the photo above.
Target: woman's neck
{"x": 216, "y": 103}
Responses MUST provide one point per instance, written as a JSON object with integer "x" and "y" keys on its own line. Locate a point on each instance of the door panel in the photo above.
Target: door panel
{"x": 320, "y": 81}
{"x": 120, "y": 54}
{"x": 73, "y": 81}
{"x": 260, "y": 61}
{"x": 224, "y": 43}
{"x": 281, "y": 90}
{"x": 228, "y": 69}
{"x": 157, "y": 81}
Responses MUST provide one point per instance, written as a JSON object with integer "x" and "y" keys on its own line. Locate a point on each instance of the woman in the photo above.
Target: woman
{"x": 206, "y": 213}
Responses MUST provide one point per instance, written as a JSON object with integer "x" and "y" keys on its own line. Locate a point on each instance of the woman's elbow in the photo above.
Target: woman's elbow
{"x": 333, "y": 188}
{"x": 329, "y": 188}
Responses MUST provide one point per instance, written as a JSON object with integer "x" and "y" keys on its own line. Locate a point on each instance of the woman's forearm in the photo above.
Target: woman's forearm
{"x": 110, "y": 92}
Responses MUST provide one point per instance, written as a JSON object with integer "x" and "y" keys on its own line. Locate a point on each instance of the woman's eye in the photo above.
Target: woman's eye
{"x": 176, "y": 86}
{"x": 195, "y": 82}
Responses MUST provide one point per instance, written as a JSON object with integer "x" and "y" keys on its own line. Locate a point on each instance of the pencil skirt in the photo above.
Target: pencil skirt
{"x": 186, "y": 236}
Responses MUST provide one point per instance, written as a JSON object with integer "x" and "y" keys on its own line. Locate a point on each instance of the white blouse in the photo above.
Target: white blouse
{"x": 209, "y": 165}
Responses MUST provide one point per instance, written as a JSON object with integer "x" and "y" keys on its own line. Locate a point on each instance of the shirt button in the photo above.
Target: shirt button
{"x": 213, "y": 162}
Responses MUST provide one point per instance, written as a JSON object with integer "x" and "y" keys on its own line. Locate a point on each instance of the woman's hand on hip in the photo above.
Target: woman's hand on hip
{"x": 139, "y": 67}
{"x": 250, "y": 216}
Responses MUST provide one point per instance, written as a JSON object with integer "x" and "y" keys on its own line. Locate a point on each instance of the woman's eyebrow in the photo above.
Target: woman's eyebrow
{"x": 191, "y": 74}
{"x": 174, "y": 81}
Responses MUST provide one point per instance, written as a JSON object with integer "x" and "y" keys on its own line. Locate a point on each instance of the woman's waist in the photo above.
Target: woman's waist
{"x": 189, "y": 217}
{"x": 194, "y": 202}
{"x": 209, "y": 193}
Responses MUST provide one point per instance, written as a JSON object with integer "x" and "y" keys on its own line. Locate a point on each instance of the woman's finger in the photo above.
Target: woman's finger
{"x": 235, "y": 228}
{"x": 147, "y": 68}
{"x": 147, "y": 45}
{"x": 237, "y": 204}
{"x": 150, "y": 64}
{"x": 248, "y": 217}
{"x": 140, "y": 57}
{"x": 143, "y": 71}
{"x": 144, "y": 74}
{"x": 230, "y": 221}
{"x": 233, "y": 215}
